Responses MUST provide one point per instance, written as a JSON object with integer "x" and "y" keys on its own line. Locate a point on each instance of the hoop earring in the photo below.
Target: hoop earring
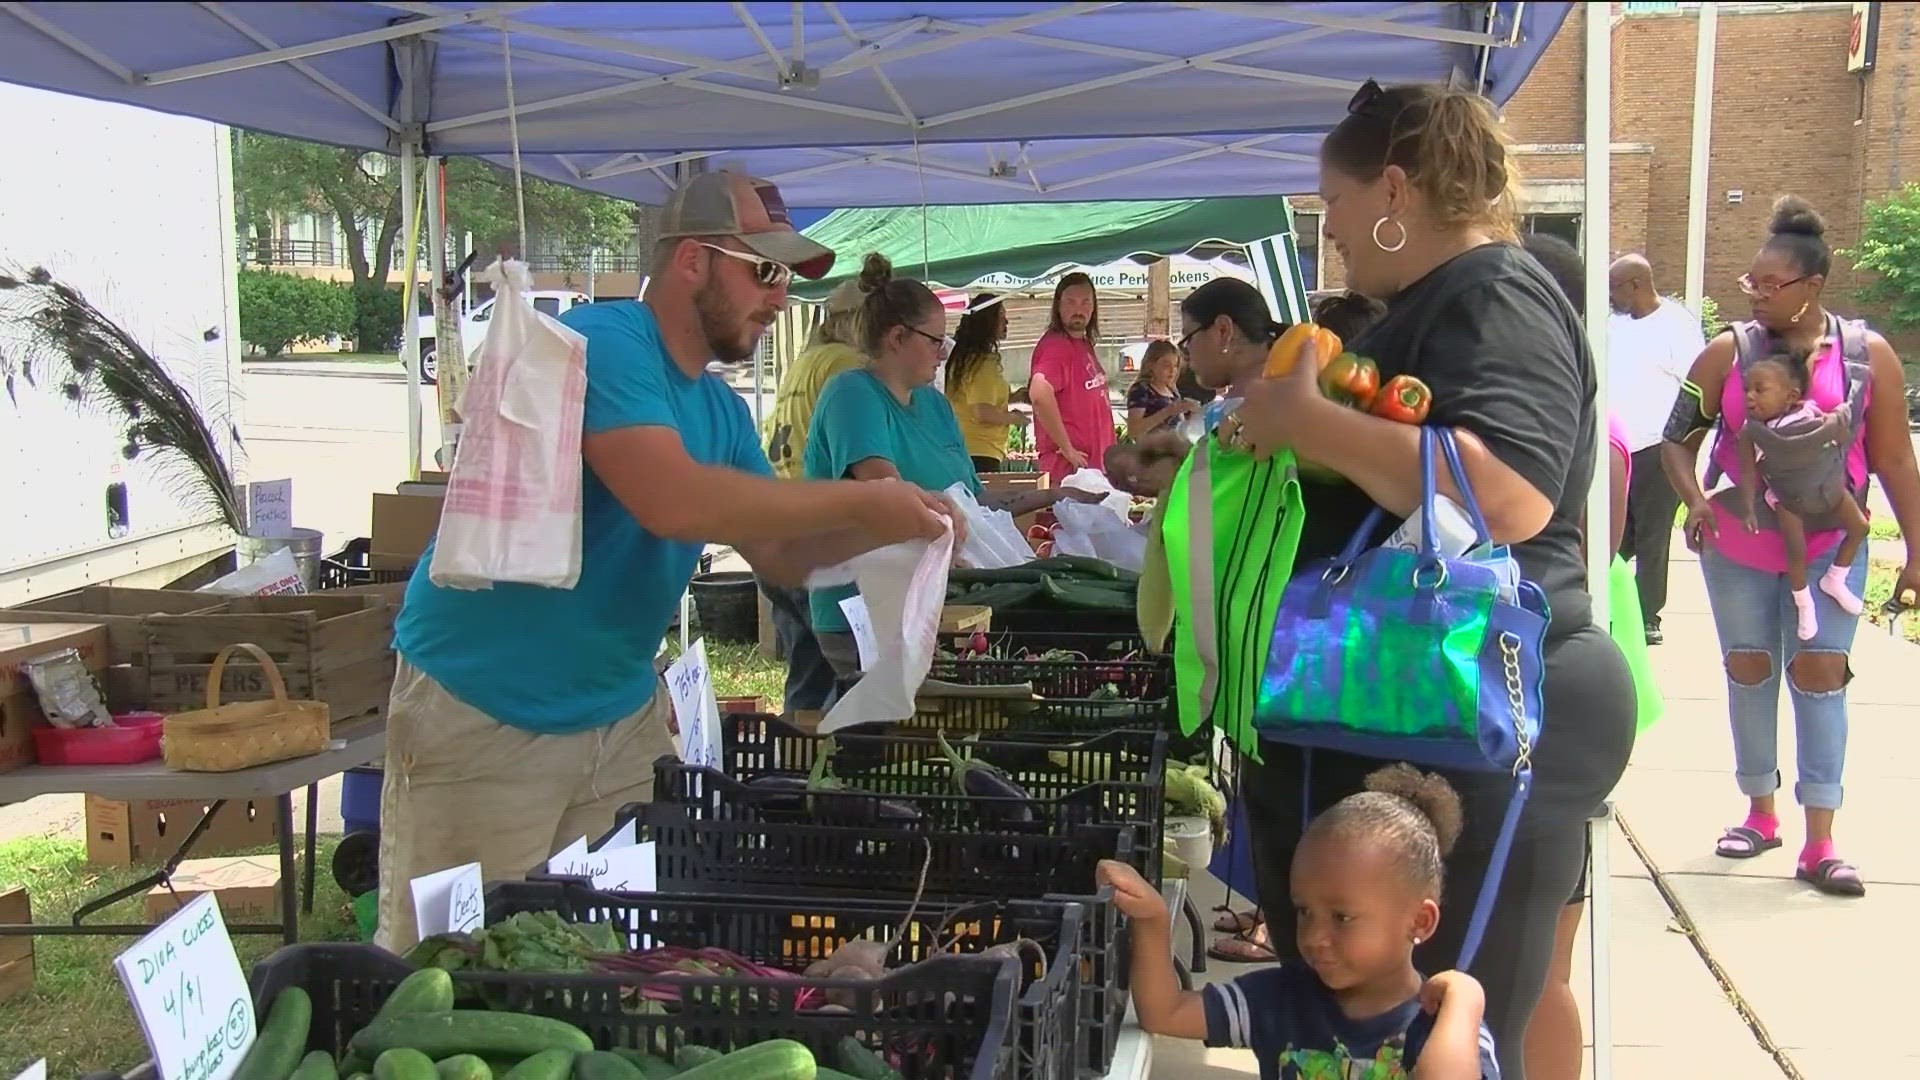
{"x": 1402, "y": 242}
{"x": 1803, "y": 310}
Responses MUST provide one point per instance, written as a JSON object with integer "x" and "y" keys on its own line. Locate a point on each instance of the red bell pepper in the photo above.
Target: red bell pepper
{"x": 1351, "y": 380}
{"x": 1404, "y": 400}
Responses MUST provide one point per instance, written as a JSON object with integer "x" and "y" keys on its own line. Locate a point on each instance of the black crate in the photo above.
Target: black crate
{"x": 1095, "y": 667}
{"x": 792, "y": 933}
{"x": 719, "y": 852}
{"x": 956, "y": 1012}
{"x": 350, "y": 566}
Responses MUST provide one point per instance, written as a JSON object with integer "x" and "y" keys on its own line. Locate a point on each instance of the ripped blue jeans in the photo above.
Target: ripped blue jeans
{"x": 1753, "y": 612}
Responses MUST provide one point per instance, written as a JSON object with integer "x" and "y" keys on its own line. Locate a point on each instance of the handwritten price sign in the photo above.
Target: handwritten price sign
{"x": 189, "y": 994}
{"x": 449, "y": 901}
{"x": 690, "y": 684}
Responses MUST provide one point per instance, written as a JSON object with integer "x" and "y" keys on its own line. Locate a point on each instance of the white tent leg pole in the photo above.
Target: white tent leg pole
{"x": 437, "y": 273}
{"x": 1596, "y": 230}
{"x": 1704, "y": 50}
{"x": 409, "y": 320}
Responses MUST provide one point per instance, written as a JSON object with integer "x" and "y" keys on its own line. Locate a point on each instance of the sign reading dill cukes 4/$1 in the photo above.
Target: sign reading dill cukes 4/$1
{"x": 189, "y": 994}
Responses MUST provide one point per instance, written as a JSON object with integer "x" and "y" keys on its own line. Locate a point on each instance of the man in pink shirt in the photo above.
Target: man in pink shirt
{"x": 1068, "y": 386}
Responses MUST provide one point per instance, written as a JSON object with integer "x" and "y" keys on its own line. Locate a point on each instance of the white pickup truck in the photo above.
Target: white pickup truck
{"x": 473, "y": 326}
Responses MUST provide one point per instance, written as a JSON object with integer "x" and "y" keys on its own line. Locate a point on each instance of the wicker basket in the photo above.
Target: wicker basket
{"x": 226, "y": 738}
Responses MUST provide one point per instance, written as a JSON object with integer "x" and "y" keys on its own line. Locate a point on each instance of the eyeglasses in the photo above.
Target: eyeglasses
{"x": 772, "y": 275}
{"x": 1766, "y": 292}
{"x": 944, "y": 344}
{"x": 1185, "y": 344}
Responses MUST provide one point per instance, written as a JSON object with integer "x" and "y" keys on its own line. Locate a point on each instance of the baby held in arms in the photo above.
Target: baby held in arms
{"x": 1366, "y": 884}
{"x": 1794, "y": 453}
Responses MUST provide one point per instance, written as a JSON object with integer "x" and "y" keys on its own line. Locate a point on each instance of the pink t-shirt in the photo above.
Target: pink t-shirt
{"x": 1080, "y": 386}
{"x": 1617, "y": 439}
{"x": 1765, "y": 550}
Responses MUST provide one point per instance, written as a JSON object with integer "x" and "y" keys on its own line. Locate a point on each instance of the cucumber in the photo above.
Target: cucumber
{"x": 690, "y": 1056}
{"x": 282, "y": 1040}
{"x": 317, "y": 1066}
{"x": 428, "y": 990}
{"x": 545, "y": 1065}
{"x": 821, "y": 1072}
{"x": 403, "y": 1063}
{"x": 605, "y": 1065}
{"x": 775, "y": 1059}
{"x": 360, "y": 1076}
{"x": 463, "y": 1067}
{"x": 651, "y": 1067}
{"x": 852, "y": 1056}
{"x": 470, "y": 1031}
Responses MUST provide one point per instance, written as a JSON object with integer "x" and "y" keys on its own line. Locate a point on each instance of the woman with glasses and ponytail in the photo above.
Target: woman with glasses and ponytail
{"x": 1419, "y": 185}
{"x": 886, "y": 420}
{"x": 1852, "y": 373}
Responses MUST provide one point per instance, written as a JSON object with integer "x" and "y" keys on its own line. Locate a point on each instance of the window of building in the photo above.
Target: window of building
{"x": 1306, "y": 241}
{"x": 1564, "y": 226}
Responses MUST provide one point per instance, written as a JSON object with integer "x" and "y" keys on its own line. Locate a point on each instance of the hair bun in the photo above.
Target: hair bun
{"x": 875, "y": 271}
{"x": 1793, "y": 215}
{"x": 1428, "y": 792}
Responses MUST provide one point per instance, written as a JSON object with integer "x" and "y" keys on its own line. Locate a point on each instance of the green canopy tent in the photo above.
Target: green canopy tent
{"x": 955, "y": 246}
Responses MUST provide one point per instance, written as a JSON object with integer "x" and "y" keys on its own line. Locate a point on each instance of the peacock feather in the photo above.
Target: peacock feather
{"x": 56, "y": 338}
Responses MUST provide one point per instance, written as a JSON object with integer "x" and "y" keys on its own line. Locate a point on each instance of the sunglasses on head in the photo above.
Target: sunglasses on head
{"x": 771, "y": 274}
{"x": 1367, "y": 99}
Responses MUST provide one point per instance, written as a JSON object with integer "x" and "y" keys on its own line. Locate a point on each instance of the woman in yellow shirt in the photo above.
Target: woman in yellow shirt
{"x": 977, "y": 387}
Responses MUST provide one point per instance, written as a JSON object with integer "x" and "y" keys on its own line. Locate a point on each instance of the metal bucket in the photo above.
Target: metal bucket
{"x": 304, "y": 544}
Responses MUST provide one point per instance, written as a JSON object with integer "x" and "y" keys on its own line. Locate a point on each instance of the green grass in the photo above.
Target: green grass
{"x": 740, "y": 671}
{"x": 77, "y": 1016}
{"x": 329, "y": 357}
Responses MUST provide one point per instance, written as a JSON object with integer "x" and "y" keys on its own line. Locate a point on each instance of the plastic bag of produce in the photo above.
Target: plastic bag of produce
{"x": 512, "y": 510}
{"x": 993, "y": 540}
{"x": 905, "y": 588}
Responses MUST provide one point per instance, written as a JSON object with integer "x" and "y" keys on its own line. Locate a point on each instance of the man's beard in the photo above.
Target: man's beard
{"x": 1077, "y": 324}
{"x": 725, "y": 329}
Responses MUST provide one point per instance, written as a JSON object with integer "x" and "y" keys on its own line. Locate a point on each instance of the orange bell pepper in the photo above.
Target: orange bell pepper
{"x": 1351, "y": 380}
{"x": 1286, "y": 351}
{"x": 1404, "y": 399}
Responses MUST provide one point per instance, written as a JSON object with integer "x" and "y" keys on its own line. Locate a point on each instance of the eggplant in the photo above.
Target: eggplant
{"x": 1011, "y": 809}
{"x": 778, "y": 794}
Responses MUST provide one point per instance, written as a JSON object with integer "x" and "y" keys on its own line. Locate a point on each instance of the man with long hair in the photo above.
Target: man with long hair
{"x": 1072, "y": 415}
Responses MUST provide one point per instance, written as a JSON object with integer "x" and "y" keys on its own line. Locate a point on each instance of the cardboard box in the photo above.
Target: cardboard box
{"x": 150, "y": 830}
{"x": 247, "y": 888}
{"x": 16, "y": 978}
{"x": 19, "y": 704}
{"x": 403, "y": 526}
{"x": 16, "y": 953}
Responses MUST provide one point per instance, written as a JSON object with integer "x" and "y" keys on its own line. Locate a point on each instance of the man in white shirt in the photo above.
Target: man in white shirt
{"x": 1651, "y": 343}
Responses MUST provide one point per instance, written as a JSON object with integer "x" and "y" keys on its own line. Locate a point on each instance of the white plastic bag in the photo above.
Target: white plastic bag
{"x": 1090, "y": 529}
{"x": 994, "y": 541}
{"x": 276, "y": 575}
{"x": 1116, "y": 501}
{"x": 905, "y": 588}
{"x": 512, "y": 510}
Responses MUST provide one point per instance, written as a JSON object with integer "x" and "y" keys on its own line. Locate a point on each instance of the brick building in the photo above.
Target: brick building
{"x": 1788, "y": 117}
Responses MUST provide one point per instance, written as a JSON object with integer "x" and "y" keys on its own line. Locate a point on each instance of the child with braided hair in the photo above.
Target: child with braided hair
{"x": 1366, "y": 886}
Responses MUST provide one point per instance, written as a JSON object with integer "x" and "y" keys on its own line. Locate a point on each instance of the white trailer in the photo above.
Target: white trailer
{"x": 135, "y": 210}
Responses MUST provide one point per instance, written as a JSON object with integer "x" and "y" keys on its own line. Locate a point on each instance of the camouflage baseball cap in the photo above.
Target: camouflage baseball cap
{"x": 750, "y": 210}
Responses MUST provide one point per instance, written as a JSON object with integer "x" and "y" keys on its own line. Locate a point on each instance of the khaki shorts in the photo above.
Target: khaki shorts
{"x": 462, "y": 787}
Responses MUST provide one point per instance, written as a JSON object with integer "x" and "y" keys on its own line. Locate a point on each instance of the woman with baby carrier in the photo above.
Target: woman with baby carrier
{"x": 1802, "y": 405}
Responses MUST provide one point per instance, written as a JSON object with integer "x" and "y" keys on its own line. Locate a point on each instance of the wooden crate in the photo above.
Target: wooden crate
{"x": 121, "y": 611}
{"x": 16, "y": 953}
{"x": 336, "y": 649}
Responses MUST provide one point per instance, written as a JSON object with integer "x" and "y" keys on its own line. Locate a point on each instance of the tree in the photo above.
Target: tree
{"x": 361, "y": 190}
{"x": 1890, "y": 247}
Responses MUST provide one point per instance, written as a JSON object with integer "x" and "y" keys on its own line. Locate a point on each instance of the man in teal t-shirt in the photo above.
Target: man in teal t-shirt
{"x": 523, "y": 718}
{"x": 860, "y": 419}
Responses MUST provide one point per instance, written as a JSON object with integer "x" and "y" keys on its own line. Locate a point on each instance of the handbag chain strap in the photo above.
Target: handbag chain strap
{"x": 1516, "y": 700}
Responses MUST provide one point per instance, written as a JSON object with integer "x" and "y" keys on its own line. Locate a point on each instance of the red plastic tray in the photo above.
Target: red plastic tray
{"x": 134, "y": 738}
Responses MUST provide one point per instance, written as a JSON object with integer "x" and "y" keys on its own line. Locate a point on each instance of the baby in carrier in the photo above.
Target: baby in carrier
{"x": 1798, "y": 452}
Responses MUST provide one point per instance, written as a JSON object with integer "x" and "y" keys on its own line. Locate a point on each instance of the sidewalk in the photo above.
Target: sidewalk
{"x": 1821, "y": 979}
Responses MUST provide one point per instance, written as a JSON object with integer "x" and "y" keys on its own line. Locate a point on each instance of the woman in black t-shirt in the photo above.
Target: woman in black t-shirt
{"x": 1154, "y": 400}
{"x": 1418, "y": 185}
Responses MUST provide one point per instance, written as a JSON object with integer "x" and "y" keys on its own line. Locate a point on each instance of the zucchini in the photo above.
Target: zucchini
{"x": 545, "y": 1065}
{"x": 650, "y": 1066}
{"x": 360, "y": 1076}
{"x": 470, "y": 1031}
{"x": 853, "y": 1057}
{"x": 317, "y": 1066}
{"x": 691, "y": 1056}
{"x": 605, "y": 1065}
{"x": 428, "y": 990}
{"x": 282, "y": 1040}
{"x": 463, "y": 1067}
{"x": 775, "y": 1059}
{"x": 403, "y": 1063}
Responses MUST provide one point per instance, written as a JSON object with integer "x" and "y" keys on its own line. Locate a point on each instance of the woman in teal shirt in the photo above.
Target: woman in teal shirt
{"x": 887, "y": 420}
